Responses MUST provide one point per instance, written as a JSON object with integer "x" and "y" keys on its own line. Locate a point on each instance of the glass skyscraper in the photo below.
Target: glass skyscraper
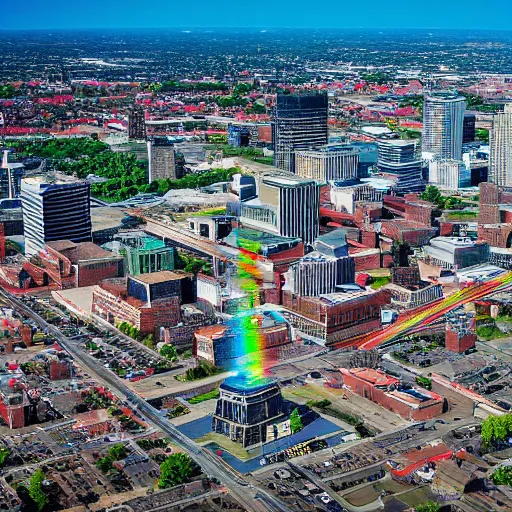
{"x": 443, "y": 125}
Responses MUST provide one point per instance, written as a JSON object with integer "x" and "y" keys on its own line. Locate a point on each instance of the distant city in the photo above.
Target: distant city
{"x": 256, "y": 270}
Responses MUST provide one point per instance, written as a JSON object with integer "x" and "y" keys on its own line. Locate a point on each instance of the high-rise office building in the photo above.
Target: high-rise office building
{"x": 286, "y": 205}
{"x": 469, "y": 128}
{"x": 500, "y": 148}
{"x": 402, "y": 160}
{"x": 443, "y": 125}
{"x": 136, "y": 124}
{"x": 162, "y": 162}
{"x": 328, "y": 163}
{"x": 55, "y": 211}
{"x": 300, "y": 122}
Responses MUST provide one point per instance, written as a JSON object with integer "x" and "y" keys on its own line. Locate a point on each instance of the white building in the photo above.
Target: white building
{"x": 449, "y": 174}
{"x": 500, "y": 150}
{"x": 443, "y": 123}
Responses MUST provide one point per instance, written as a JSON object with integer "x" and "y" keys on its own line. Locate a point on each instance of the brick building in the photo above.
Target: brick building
{"x": 335, "y": 317}
{"x": 411, "y": 403}
{"x": 495, "y": 215}
{"x": 111, "y": 301}
{"x": 460, "y": 331}
{"x": 86, "y": 261}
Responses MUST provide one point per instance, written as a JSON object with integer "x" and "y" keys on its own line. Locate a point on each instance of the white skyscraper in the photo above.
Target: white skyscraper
{"x": 500, "y": 148}
{"x": 443, "y": 125}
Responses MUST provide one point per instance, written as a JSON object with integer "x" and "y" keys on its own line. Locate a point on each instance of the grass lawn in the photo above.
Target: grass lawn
{"x": 230, "y": 446}
{"x": 214, "y": 393}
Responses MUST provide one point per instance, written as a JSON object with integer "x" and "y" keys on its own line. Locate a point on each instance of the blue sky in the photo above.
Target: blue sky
{"x": 462, "y": 14}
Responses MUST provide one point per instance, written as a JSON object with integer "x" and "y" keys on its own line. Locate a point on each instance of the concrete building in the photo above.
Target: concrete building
{"x": 55, "y": 211}
{"x": 401, "y": 159}
{"x": 411, "y": 403}
{"x": 161, "y": 285}
{"x": 456, "y": 252}
{"x": 500, "y": 148}
{"x": 328, "y": 163}
{"x": 345, "y": 198}
{"x": 443, "y": 125}
{"x": 300, "y": 122}
{"x": 324, "y": 269}
{"x": 409, "y": 297}
{"x": 286, "y": 205}
{"x": 449, "y": 174}
{"x": 162, "y": 163}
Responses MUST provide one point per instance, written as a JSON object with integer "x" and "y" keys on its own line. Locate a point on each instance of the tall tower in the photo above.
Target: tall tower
{"x": 443, "y": 125}
{"x": 402, "y": 159}
{"x": 55, "y": 211}
{"x": 162, "y": 162}
{"x": 500, "y": 148}
{"x": 136, "y": 124}
{"x": 300, "y": 122}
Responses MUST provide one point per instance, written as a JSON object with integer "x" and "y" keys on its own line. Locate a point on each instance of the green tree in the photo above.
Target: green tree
{"x": 169, "y": 352}
{"x": 105, "y": 464}
{"x": 433, "y": 194}
{"x": 4, "y": 453}
{"x": 428, "y": 506}
{"x": 295, "y": 421}
{"x": 35, "y": 489}
{"x": 149, "y": 341}
{"x": 118, "y": 451}
{"x": 502, "y": 476}
{"x": 177, "y": 469}
{"x": 7, "y": 91}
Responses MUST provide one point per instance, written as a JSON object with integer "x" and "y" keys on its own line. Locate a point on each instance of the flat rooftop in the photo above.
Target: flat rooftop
{"x": 160, "y": 277}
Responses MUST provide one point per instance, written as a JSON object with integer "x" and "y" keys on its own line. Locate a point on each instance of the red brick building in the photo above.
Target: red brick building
{"x": 110, "y": 300}
{"x": 460, "y": 331}
{"x": 335, "y": 317}
{"x": 495, "y": 215}
{"x": 411, "y": 403}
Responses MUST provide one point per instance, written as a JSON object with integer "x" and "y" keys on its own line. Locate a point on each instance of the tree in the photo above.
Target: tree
{"x": 428, "y": 506}
{"x": 4, "y": 453}
{"x": 118, "y": 451}
{"x": 149, "y": 341}
{"x": 35, "y": 489}
{"x": 295, "y": 421}
{"x": 502, "y": 476}
{"x": 105, "y": 464}
{"x": 177, "y": 469}
{"x": 169, "y": 352}
{"x": 433, "y": 194}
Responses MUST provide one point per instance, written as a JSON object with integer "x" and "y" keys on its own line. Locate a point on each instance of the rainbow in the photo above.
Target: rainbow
{"x": 434, "y": 311}
{"x": 248, "y": 341}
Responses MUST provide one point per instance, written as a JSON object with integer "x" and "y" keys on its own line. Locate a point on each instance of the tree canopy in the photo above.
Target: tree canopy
{"x": 35, "y": 489}
{"x": 177, "y": 469}
{"x": 295, "y": 421}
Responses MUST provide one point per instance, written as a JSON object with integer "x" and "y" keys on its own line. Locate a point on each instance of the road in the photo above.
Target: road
{"x": 250, "y": 497}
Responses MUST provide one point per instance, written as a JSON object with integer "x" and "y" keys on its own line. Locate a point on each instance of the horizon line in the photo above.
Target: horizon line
{"x": 255, "y": 27}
